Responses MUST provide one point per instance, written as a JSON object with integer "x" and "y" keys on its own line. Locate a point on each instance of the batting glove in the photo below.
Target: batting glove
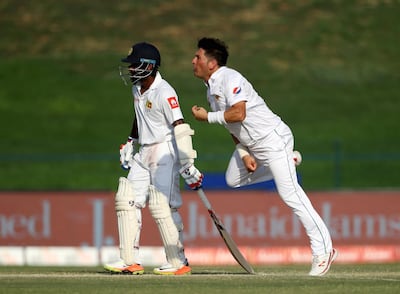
{"x": 192, "y": 176}
{"x": 126, "y": 152}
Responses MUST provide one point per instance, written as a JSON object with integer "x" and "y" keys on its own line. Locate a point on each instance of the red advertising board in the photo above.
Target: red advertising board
{"x": 255, "y": 218}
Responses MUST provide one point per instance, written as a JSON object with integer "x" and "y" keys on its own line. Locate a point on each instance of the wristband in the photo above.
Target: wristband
{"x": 216, "y": 117}
{"x": 242, "y": 150}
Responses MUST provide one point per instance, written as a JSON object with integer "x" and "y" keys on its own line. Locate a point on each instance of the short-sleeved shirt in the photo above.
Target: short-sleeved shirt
{"x": 156, "y": 110}
{"x": 227, "y": 87}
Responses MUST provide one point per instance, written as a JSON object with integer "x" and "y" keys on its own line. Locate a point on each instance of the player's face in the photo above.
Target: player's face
{"x": 201, "y": 65}
{"x": 139, "y": 72}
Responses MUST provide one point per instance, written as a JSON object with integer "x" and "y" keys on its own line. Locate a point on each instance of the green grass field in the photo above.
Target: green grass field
{"x": 366, "y": 278}
{"x": 328, "y": 68}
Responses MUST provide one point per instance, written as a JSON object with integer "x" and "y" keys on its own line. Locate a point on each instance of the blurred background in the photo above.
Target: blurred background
{"x": 330, "y": 69}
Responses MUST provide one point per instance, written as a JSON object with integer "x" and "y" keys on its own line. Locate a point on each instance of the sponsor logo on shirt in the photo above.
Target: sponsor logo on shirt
{"x": 237, "y": 90}
{"x": 173, "y": 102}
{"x": 149, "y": 104}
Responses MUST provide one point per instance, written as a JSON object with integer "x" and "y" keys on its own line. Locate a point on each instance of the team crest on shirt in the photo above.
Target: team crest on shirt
{"x": 149, "y": 104}
{"x": 237, "y": 90}
{"x": 173, "y": 102}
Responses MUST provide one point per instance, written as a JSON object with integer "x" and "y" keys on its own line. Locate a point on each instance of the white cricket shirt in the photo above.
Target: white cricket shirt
{"x": 227, "y": 87}
{"x": 156, "y": 110}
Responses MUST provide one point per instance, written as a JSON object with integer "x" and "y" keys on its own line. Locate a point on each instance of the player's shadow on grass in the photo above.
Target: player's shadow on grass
{"x": 219, "y": 272}
{"x": 194, "y": 272}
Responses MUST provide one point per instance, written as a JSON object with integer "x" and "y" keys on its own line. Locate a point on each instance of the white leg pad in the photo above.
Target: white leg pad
{"x": 161, "y": 212}
{"x": 179, "y": 225}
{"x": 129, "y": 220}
{"x": 137, "y": 238}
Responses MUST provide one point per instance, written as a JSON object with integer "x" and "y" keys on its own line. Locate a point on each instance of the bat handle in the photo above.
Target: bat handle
{"x": 203, "y": 198}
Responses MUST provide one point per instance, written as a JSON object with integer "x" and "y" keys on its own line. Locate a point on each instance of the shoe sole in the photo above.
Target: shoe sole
{"x": 167, "y": 273}
{"x": 119, "y": 271}
{"x": 330, "y": 261}
{"x": 171, "y": 273}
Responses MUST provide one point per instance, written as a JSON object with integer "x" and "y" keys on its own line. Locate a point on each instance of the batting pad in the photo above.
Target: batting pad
{"x": 161, "y": 213}
{"x": 179, "y": 225}
{"x": 128, "y": 220}
{"x": 183, "y": 138}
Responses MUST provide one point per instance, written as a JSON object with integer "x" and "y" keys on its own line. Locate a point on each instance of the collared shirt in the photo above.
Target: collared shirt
{"x": 156, "y": 110}
{"x": 227, "y": 87}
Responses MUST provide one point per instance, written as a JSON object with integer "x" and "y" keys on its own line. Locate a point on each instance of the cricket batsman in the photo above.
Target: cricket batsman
{"x": 165, "y": 152}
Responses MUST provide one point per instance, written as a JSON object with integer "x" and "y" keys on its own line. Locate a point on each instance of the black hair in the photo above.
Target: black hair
{"x": 214, "y": 48}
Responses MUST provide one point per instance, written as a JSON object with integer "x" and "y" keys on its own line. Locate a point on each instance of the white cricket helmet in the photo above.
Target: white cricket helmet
{"x": 144, "y": 60}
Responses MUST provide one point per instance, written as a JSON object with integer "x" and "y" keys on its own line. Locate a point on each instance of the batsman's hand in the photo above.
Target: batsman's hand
{"x": 126, "y": 152}
{"x": 192, "y": 176}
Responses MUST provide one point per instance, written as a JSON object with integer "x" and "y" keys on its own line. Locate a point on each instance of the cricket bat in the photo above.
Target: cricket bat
{"x": 225, "y": 235}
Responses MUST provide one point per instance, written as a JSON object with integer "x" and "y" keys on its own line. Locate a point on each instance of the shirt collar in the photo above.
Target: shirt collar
{"x": 156, "y": 82}
{"x": 212, "y": 81}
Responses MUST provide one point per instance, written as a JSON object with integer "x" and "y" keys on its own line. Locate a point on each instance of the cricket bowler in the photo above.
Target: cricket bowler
{"x": 264, "y": 143}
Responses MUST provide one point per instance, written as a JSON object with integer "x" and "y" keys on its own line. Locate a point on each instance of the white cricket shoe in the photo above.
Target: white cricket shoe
{"x": 321, "y": 263}
{"x": 297, "y": 157}
{"x": 120, "y": 267}
{"x": 168, "y": 269}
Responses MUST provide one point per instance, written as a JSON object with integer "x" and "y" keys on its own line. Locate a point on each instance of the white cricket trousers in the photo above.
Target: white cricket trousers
{"x": 157, "y": 165}
{"x": 274, "y": 155}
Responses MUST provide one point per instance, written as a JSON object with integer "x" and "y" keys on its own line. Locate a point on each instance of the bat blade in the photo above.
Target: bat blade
{"x": 234, "y": 250}
{"x": 231, "y": 244}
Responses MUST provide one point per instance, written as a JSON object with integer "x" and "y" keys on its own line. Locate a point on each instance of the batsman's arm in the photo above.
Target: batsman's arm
{"x": 134, "y": 130}
{"x": 183, "y": 136}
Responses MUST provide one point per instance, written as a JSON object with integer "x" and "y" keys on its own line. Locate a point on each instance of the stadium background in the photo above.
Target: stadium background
{"x": 329, "y": 68}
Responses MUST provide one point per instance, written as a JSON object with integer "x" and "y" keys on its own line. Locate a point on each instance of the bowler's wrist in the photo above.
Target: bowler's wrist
{"x": 216, "y": 117}
{"x": 242, "y": 150}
